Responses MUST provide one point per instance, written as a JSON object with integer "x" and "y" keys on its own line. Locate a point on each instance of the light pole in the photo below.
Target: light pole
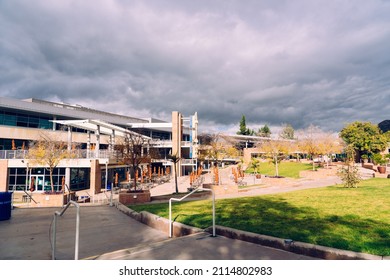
{"x": 111, "y": 203}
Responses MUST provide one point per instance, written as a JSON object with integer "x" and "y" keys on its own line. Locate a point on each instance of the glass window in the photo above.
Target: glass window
{"x": 9, "y": 119}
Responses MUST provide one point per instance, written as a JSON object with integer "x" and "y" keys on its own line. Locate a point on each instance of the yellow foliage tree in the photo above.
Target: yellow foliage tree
{"x": 276, "y": 150}
{"x": 48, "y": 152}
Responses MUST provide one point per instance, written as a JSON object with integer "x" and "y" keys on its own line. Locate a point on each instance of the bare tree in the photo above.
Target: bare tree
{"x": 48, "y": 152}
{"x": 130, "y": 151}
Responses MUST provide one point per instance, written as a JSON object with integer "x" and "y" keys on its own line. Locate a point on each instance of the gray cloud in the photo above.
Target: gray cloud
{"x": 309, "y": 62}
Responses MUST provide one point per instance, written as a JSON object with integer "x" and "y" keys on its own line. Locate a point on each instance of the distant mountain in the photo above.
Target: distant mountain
{"x": 384, "y": 125}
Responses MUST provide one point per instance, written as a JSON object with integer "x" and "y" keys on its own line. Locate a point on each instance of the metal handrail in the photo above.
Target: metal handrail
{"x": 56, "y": 214}
{"x": 184, "y": 197}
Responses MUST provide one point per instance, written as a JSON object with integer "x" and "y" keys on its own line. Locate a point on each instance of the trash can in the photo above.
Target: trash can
{"x": 5, "y": 205}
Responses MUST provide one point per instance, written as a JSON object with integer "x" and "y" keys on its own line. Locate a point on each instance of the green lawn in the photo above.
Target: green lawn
{"x": 352, "y": 219}
{"x": 286, "y": 169}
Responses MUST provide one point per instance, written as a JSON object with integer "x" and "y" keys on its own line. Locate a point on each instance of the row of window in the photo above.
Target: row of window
{"x": 39, "y": 179}
{"x": 32, "y": 121}
{"x": 17, "y": 119}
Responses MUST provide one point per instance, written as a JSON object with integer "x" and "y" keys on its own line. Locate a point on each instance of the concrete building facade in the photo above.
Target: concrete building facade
{"x": 92, "y": 136}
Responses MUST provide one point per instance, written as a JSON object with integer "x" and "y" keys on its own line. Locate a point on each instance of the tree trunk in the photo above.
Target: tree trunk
{"x": 276, "y": 166}
{"x": 51, "y": 181}
{"x": 177, "y": 189}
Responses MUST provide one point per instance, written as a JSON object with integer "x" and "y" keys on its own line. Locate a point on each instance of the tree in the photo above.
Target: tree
{"x": 364, "y": 137}
{"x": 48, "y": 152}
{"x": 309, "y": 142}
{"x": 287, "y": 132}
{"x": 265, "y": 131}
{"x": 130, "y": 151}
{"x": 216, "y": 147}
{"x": 243, "y": 129}
{"x": 175, "y": 159}
{"x": 328, "y": 144}
{"x": 255, "y": 165}
{"x": 349, "y": 174}
{"x": 276, "y": 150}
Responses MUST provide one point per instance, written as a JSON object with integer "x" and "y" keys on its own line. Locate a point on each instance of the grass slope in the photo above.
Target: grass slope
{"x": 352, "y": 219}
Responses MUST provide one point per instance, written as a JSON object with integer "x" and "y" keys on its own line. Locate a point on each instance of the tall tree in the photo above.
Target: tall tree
{"x": 364, "y": 137}
{"x": 243, "y": 129}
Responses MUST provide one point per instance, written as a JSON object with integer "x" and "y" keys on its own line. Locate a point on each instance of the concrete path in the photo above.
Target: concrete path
{"x": 107, "y": 233}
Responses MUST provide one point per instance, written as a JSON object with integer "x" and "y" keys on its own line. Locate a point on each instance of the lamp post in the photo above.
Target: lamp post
{"x": 111, "y": 195}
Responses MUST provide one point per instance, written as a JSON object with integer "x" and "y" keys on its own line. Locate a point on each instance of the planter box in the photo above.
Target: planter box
{"x": 133, "y": 197}
{"x": 49, "y": 200}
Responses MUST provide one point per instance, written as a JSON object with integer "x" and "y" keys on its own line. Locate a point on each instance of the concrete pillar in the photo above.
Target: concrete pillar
{"x": 113, "y": 140}
{"x": 67, "y": 178}
{"x": 69, "y": 138}
{"x": 176, "y": 138}
{"x": 54, "y": 124}
{"x": 96, "y": 177}
{"x": 88, "y": 144}
{"x": 4, "y": 175}
{"x": 97, "y": 141}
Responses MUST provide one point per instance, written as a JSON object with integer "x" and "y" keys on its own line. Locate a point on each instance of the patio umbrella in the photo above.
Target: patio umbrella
{"x": 13, "y": 145}
{"x": 63, "y": 183}
{"x": 32, "y": 184}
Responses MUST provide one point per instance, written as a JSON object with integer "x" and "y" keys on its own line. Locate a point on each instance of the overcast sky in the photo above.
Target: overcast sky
{"x": 325, "y": 63}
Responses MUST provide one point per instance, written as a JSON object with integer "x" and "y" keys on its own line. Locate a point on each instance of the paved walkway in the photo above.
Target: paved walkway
{"x": 106, "y": 233}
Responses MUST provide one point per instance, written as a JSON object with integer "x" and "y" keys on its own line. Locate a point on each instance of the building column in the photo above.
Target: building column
{"x": 97, "y": 148}
{"x": 176, "y": 138}
{"x": 4, "y": 175}
{"x": 69, "y": 138}
{"x": 88, "y": 144}
{"x": 96, "y": 177}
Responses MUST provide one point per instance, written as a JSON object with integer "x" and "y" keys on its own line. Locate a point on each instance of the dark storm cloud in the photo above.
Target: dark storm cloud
{"x": 308, "y": 62}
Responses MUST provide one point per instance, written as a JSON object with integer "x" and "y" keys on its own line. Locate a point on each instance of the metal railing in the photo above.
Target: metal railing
{"x": 54, "y": 233}
{"x": 184, "y": 197}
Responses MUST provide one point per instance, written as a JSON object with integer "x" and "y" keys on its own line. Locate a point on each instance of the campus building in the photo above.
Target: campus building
{"x": 92, "y": 136}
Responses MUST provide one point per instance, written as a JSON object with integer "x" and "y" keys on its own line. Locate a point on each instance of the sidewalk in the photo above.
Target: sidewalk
{"x": 108, "y": 234}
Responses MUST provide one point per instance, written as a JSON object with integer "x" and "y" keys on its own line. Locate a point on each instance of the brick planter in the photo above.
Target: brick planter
{"x": 128, "y": 198}
{"x": 49, "y": 200}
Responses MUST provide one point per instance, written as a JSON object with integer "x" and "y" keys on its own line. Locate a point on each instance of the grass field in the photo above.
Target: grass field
{"x": 286, "y": 169}
{"x": 352, "y": 219}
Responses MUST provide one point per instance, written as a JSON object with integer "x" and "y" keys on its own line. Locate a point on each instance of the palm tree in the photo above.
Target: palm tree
{"x": 175, "y": 159}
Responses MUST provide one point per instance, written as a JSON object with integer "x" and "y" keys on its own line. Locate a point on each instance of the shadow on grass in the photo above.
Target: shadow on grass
{"x": 276, "y": 217}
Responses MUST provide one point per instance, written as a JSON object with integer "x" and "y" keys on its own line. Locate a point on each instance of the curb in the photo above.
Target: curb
{"x": 316, "y": 251}
{"x": 158, "y": 222}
